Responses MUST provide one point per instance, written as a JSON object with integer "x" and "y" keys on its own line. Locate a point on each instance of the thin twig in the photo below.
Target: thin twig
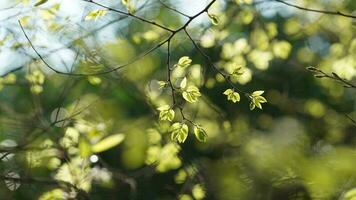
{"x": 352, "y": 120}
{"x": 131, "y": 15}
{"x": 215, "y": 68}
{"x": 173, "y": 9}
{"x": 315, "y": 10}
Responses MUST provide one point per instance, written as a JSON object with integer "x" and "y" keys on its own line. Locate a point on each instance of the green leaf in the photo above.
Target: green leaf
{"x": 200, "y": 134}
{"x": 93, "y": 15}
{"x": 181, "y": 176}
{"x": 84, "y": 147}
{"x": 214, "y": 19}
{"x": 179, "y": 132}
{"x": 191, "y": 94}
{"x": 184, "y": 62}
{"x": 183, "y": 84}
{"x": 94, "y": 80}
{"x": 237, "y": 72}
{"x": 232, "y": 95}
{"x": 54, "y": 194}
{"x": 351, "y": 194}
{"x": 257, "y": 99}
{"x": 108, "y": 143}
{"x": 252, "y": 105}
{"x": 258, "y": 93}
{"x": 125, "y": 2}
{"x": 162, "y": 84}
{"x": 9, "y": 79}
{"x": 166, "y": 113}
{"x": 40, "y": 2}
{"x": 198, "y": 192}
{"x": 228, "y": 91}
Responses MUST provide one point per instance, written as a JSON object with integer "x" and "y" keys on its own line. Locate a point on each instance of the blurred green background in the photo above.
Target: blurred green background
{"x": 102, "y": 134}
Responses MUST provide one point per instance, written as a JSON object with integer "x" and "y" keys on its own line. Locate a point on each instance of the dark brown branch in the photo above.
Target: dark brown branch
{"x": 352, "y": 120}
{"x": 38, "y": 54}
{"x": 133, "y": 60}
{"x": 90, "y": 74}
{"x": 173, "y": 9}
{"x": 169, "y": 71}
{"x": 347, "y": 84}
{"x": 315, "y": 10}
{"x": 321, "y": 74}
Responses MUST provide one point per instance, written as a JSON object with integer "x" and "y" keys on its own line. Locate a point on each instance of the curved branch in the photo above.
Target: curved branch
{"x": 131, "y": 15}
{"x": 173, "y": 9}
{"x": 89, "y": 74}
{"x": 315, "y": 10}
{"x": 174, "y": 32}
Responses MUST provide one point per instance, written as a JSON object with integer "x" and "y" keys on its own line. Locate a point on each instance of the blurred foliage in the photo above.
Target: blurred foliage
{"x": 102, "y": 100}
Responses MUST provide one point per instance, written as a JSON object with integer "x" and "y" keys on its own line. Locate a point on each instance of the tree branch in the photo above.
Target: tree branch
{"x": 315, "y": 10}
{"x": 131, "y": 15}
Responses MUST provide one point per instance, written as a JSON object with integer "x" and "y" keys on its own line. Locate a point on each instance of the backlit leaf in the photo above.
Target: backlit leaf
{"x": 108, "y": 143}
{"x": 191, "y": 94}
{"x": 200, "y": 134}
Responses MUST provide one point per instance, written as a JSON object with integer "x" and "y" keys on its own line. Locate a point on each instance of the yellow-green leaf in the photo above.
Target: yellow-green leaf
{"x": 184, "y": 62}
{"x": 162, "y": 84}
{"x": 93, "y": 15}
{"x": 166, "y": 113}
{"x": 179, "y": 132}
{"x": 191, "y": 94}
{"x": 84, "y": 147}
{"x": 183, "y": 83}
{"x": 108, "y": 143}
{"x": 258, "y": 93}
{"x": 232, "y": 95}
{"x": 200, "y": 134}
{"x": 198, "y": 192}
{"x": 257, "y": 99}
{"x": 214, "y": 19}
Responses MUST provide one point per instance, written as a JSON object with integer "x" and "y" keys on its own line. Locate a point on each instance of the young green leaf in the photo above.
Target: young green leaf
{"x": 94, "y": 80}
{"x": 237, "y": 72}
{"x": 200, "y": 133}
{"x": 214, "y": 19}
{"x": 257, "y": 100}
{"x": 166, "y": 113}
{"x": 184, "y": 62}
{"x": 198, "y": 192}
{"x": 232, "y": 95}
{"x": 179, "y": 132}
{"x": 9, "y": 79}
{"x": 84, "y": 147}
{"x": 108, "y": 143}
{"x": 125, "y": 2}
{"x": 93, "y": 15}
{"x": 351, "y": 194}
{"x": 183, "y": 83}
{"x": 258, "y": 93}
{"x": 191, "y": 94}
{"x": 162, "y": 84}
